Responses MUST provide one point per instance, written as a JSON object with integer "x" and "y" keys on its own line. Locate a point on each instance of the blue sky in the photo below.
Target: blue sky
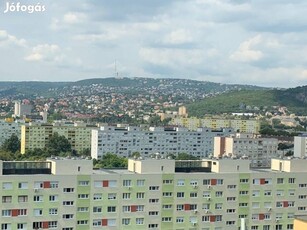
{"x": 256, "y": 42}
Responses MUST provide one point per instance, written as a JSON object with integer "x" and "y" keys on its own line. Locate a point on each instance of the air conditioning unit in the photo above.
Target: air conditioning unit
{"x": 129, "y": 188}
{"x": 209, "y": 198}
{"x": 209, "y": 186}
{"x": 194, "y": 223}
{"x": 195, "y": 186}
{"x": 36, "y": 190}
{"x": 207, "y": 211}
{"x": 277, "y": 220}
{"x": 195, "y": 211}
{"x": 269, "y": 209}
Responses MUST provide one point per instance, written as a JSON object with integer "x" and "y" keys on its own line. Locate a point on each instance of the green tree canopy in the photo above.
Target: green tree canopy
{"x": 185, "y": 156}
{"x": 12, "y": 144}
{"x": 111, "y": 160}
{"x": 58, "y": 144}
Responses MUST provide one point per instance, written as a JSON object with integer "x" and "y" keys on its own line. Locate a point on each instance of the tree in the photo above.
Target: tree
{"x": 136, "y": 155}
{"x": 111, "y": 160}
{"x": 12, "y": 144}
{"x": 57, "y": 144}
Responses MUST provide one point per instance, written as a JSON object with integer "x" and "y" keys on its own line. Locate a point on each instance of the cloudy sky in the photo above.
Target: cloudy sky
{"x": 257, "y": 42}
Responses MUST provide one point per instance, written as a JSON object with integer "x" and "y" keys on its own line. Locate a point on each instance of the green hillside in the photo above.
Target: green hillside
{"x": 251, "y": 101}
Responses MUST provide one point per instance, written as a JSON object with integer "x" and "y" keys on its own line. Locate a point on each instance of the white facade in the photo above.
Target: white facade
{"x": 124, "y": 141}
{"x": 300, "y": 146}
{"x": 259, "y": 150}
{"x": 21, "y": 109}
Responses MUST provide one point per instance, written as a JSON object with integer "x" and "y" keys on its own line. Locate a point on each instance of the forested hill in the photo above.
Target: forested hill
{"x": 295, "y": 99}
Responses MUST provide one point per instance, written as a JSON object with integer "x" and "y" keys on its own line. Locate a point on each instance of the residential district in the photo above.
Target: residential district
{"x": 235, "y": 178}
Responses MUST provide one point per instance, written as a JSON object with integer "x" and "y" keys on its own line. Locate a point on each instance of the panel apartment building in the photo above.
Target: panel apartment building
{"x": 239, "y": 125}
{"x": 66, "y": 194}
{"x": 7, "y": 129}
{"x": 259, "y": 150}
{"x": 124, "y": 141}
{"x": 36, "y": 135}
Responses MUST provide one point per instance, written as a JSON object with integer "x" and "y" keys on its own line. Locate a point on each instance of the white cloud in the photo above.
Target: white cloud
{"x": 74, "y": 18}
{"x": 7, "y": 39}
{"x": 246, "y": 51}
{"x": 177, "y": 37}
{"x": 45, "y": 52}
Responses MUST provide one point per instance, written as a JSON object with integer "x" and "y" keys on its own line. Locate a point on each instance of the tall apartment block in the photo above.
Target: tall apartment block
{"x": 66, "y": 194}
{"x": 243, "y": 126}
{"x": 124, "y": 141}
{"x": 300, "y": 146}
{"x": 259, "y": 150}
{"x": 21, "y": 109}
{"x": 7, "y": 129}
{"x": 36, "y": 135}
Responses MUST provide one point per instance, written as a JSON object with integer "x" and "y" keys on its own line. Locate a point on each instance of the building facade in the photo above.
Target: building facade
{"x": 66, "y": 194}
{"x": 7, "y": 129}
{"x": 258, "y": 150}
{"x": 36, "y": 135}
{"x": 124, "y": 141}
{"x": 300, "y": 146}
{"x": 243, "y": 126}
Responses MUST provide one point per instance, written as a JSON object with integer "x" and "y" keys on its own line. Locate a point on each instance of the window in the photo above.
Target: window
{"x": 125, "y": 221}
{"x": 206, "y": 219}
{"x": 68, "y": 190}
{"x": 256, "y": 193}
{"x": 152, "y": 226}
{"x": 193, "y": 194}
{"x": 231, "y": 198}
{"x": 218, "y": 206}
{"x": 97, "y": 209}
{"x": 206, "y": 194}
{"x": 167, "y": 181}
{"x": 53, "y": 198}
{"x": 153, "y": 200}
{"x": 111, "y": 208}
{"x": 139, "y": 221}
{"x": 243, "y": 181}
{"x": 194, "y": 182}
{"x": 126, "y": 208}
{"x": 140, "y": 183}
{"x": 207, "y": 182}
{"x": 6, "y": 213}
{"x": 302, "y": 197}
{"x": 167, "y": 194}
{"x": 140, "y": 208}
{"x": 82, "y": 209}
{"x": 54, "y": 184}
{"x": 83, "y": 196}
{"x": 82, "y": 222}
{"x": 218, "y": 218}
{"x": 179, "y": 219}
{"x": 22, "y": 212}
{"x": 279, "y": 192}
{"x": 255, "y": 205}
{"x": 23, "y": 185}
{"x": 52, "y": 224}
{"x": 280, "y": 180}
{"x": 97, "y": 222}
{"x": 153, "y": 188}
{"x": 68, "y": 216}
{"x": 112, "y": 183}
{"x": 180, "y": 207}
{"x": 206, "y": 206}
{"x": 219, "y": 181}
{"x": 37, "y": 212}
{"x": 21, "y": 226}
{"x": 291, "y": 192}
{"x": 127, "y": 183}
{"x": 167, "y": 206}
{"x": 140, "y": 195}
{"x": 126, "y": 196}
{"x": 291, "y": 180}
{"x": 97, "y": 196}
{"x": 84, "y": 183}
{"x": 231, "y": 186}
{"x": 5, "y": 226}
{"x": 6, "y": 199}
{"x": 268, "y": 193}
{"x": 53, "y": 211}
{"x": 232, "y": 222}
{"x": 180, "y": 194}
{"x": 180, "y": 182}
{"x": 112, "y": 196}
{"x": 243, "y": 204}
{"x": 218, "y": 194}
{"x": 243, "y": 193}
{"x": 38, "y": 198}
{"x": 68, "y": 203}
{"x": 153, "y": 213}
{"x": 7, "y": 185}
{"x": 166, "y": 219}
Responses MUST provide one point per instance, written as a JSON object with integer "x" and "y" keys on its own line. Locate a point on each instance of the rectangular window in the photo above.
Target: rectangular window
{"x": 7, "y": 185}
{"x": 53, "y": 198}
{"x": 127, "y": 183}
{"x": 291, "y": 180}
{"x": 6, "y": 199}
{"x": 126, "y": 221}
{"x": 82, "y": 209}
{"x": 153, "y": 188}
{"x": 53, "y": 211}
{"x": 140, "y": 195}
{"x": 126, "y": 196}
{"x": 180, "y": 194}
{"x": 23, "y": 185}
{"x": 97, "y": 209}
{"x": 83, "y": 183}
{"x": 97, "y": 196}
{"x": 38, "y": 198}
{"x": 139, "y": 221}
{"x": 112, "y": 196}
{"x": 68, "y": 190}
{"x": 111, "y": 209}
{"x": 180, "y": 182}
{"x": 167, "y": 181}
{"x": 140, "y": 183}
{"x": 83, "y": 196}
